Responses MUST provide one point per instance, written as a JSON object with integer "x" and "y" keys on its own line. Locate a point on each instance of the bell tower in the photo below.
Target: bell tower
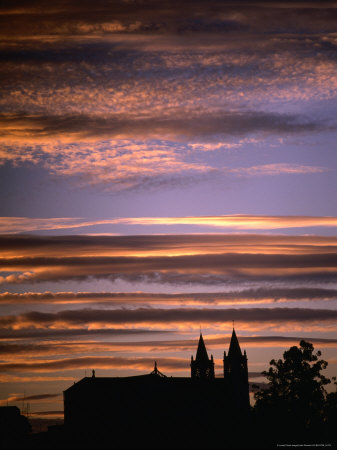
{"x": 202, "y": 367}
{"x": 236, "y": 373}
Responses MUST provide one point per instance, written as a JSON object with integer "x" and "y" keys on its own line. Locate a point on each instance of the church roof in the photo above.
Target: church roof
{"x": 234, "y": 347}
{"x": 201, "y": 352}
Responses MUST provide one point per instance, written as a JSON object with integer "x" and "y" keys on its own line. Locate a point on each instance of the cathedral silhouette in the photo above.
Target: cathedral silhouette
{"x": 179, "y": 412}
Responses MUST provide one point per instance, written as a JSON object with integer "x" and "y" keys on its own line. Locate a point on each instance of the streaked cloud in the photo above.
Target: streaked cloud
{"x": 277, "y": 169}
{"x": 171, "y": 259}
{"x": 236, "y": 222}
{"x": 104, "y": 362}
{"x": 28, "y": 398}
{"x": 164, "y": 244}
{"x": 5, "y": 378}
{"x": 20, "y": 350}
{"x": 170, "y": 269}
{"x": 54, "y": 333}
{"x": 167, "y": 18}
{"x": 154, "y": 317}
{"x": 72, "y": 128}
{"x": 240, "y": 222}
{"x": 246, "y": 296}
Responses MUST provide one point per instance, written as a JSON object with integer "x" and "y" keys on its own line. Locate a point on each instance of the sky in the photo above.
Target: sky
{"x": 166, "y": 167}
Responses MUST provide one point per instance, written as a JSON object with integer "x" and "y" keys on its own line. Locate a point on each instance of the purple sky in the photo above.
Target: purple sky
{"x": 179, "y": 157}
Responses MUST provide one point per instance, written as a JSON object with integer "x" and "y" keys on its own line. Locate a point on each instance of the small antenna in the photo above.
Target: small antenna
{"x": 233, "y": 323}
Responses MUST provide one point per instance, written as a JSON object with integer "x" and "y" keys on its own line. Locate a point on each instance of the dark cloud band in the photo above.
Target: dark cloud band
{"x": 240, "y": 296}
{"x": 69, "y": 348}
{"x": 36, "y": 333}
{"x": 165, "y": 17}
{"x": 226, "y": 124}
{"x": 203, "y": 262}
{"x": 163, "y": 316}
{"x": 73, "y": 243}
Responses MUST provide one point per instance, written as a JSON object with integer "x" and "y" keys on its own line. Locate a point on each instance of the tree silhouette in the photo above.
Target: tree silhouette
{"x": 295, "y": 407}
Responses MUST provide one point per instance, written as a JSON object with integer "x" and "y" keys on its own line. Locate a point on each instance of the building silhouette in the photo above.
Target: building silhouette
{"x": 14, "y": 427}
{"x": 177, "y": 412}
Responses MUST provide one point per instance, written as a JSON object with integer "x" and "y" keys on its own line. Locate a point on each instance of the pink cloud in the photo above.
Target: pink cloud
{"x": 238, "y": 222}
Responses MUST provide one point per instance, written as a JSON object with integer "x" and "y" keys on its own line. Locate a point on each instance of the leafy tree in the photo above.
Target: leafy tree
{"x": 294, "y": 405}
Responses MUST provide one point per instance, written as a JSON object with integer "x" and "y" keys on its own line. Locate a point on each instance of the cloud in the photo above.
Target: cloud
{"x": 123, "y": 155}
{"x": 4, "y": 378}
{"x": 277, "y": 169}
{"x": 212, "y": 262}
{"x": 236, "y": 222}
{"x": 196, "y": 276}
{"x": 165, "y": 18}
{"x": 83, "y": 127}
{"x": 122, "y": 152}
{"x": 154, "y": 317}
{"x": 38, "y": 333}
{"x": 134, "y": 88}
{"x": 144, "y": 95}
{"x": 240, "y": 222}
{"x": 106, "y": 362}
{"x": 99, "y": 362}
{"x": 172, "y": 269}
{"x": 244, "y": 296}
{"x": 30, "y": 398}
{"x": 17, "y": 350}
{"x": 15, "y": 246}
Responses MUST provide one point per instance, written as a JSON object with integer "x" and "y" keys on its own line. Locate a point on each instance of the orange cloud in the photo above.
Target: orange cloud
{"x": 236, "y": 222}
{"x": 5, "y": 378}
{"x": 104, "y": 362}
{"x": 240, "y": 222}
{"x": 29, "y": 398}
{"x": 20, "y": 351}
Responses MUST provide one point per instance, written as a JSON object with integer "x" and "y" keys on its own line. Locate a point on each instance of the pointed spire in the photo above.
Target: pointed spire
{"x": 157, "y": 372}
{"x": 202, "y": 367}
{"x": 201, "y": 352}
{"x": 234, "y": 347}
